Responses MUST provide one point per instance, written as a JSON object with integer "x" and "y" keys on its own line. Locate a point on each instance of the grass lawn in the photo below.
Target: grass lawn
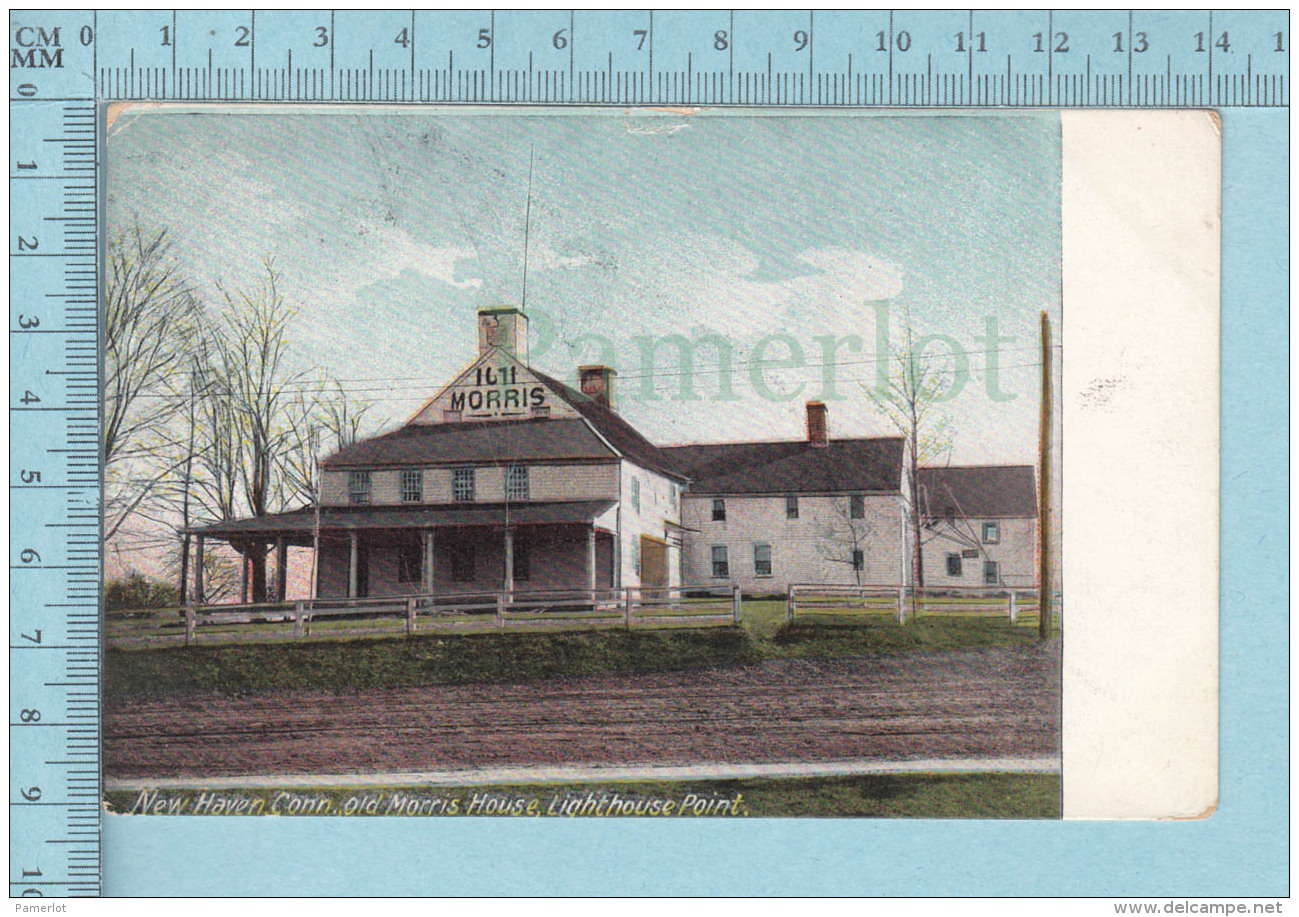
{"x": 513, "y": 657}
{"x": 876, "y": 796}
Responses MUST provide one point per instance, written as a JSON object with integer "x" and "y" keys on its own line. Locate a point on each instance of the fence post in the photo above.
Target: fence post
{"x": 735, "y": 604}
{"x": 789, "y": 605}
{"x": 189, "y": 624}
{"x": 410, "y": 616}
{"x": 297, "y": 619}
{"x": 902, "y": 605}
{"x": 626, "y": 608}
{"x": 1014, "y": 612}
{"x": 500, "y": 610}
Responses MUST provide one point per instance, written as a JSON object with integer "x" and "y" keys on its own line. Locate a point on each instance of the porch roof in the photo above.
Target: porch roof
{"x": 300, "y": 522}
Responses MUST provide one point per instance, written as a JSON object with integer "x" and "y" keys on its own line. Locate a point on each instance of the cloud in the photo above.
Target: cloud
{"x": 395, "y": 251}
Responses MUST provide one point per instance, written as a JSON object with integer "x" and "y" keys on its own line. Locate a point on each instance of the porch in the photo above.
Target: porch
{"x": 375, "y": 552}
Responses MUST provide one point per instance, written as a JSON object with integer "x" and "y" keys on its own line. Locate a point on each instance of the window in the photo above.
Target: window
{"x": 358, "y": 487}
{"x": 412, "y": 486}
{"x": 635, "y": 555}
{"x": 991, "y": 575}
{"x": 522, "y": 561}
{"x": 721, "y": 567}
{"x": 410, "y": 563}
{"x": 516, "y": 482}
{"x": 953, "y": 564}
{"x": 762, "y": 560}
{"x": 672, "y": 495}
{"x": 857, "y": 506}
{"x": 991, "y": 533}
{"x": 462, "y": 565}
{"x": 462, "y": 485}
{"x": 635, "y": 494}
{"x": 719, "y": 510}
{"x": 791, "y": 507}
{"x": 858, "y": 560}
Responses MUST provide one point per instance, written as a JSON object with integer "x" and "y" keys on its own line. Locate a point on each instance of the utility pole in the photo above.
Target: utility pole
{"x": 1044, "y": 490}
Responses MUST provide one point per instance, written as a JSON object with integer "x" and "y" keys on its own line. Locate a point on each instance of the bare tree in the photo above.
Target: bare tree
{"x": 843, "y": 538}
{"x": 916, "y": 382}
{"x": 150, "y": 314}
{"x": 252, "y": 395}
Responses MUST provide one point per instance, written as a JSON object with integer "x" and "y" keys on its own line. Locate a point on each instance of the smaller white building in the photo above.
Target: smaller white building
{"x": 979, "y": 525}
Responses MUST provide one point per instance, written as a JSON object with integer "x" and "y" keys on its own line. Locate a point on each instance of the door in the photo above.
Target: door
{"x": 362, "y": 571}
{"x": 653, "y": 563}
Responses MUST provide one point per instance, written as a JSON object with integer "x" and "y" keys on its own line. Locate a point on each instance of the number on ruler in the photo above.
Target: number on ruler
{"x": 243, "y": 36}
{"x": 29, "y": 477}
{"x": 901, "y": 41}
{"x": 322, "y": 37}
{"x": 29, "y": 556}
{"x": 484, "y": 38}
{"x": 27, "y": 165}
{"x": 166, "y": 36}
{"x": 403, "y": 38}
{"x": 721, "y": 40}
{"x": 29, "y": 397}
{"x": 31, "y": 795}
{"x": 1222, "y": 42}
{"x": 25, "y": 245}
{"x": 641, "y": 33}
{"x": 36, "y": 639}
{"x": 1061, "y": 43}
{"x": 1140, "y": 43}
{"x": 30, "y": 716}
{"x": 27, "y": 324}
{"x": 979, "y": 42}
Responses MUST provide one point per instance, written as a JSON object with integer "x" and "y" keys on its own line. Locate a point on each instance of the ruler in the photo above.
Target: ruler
{"x": 65, "y": 64}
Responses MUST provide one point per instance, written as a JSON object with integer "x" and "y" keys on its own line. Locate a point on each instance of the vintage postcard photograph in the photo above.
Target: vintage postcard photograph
{"x": 623, "y": 464}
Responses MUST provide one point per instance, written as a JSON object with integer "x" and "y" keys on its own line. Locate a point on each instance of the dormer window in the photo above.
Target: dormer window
{"x": 412, "y": 486}
{"x": 516, "y": 482}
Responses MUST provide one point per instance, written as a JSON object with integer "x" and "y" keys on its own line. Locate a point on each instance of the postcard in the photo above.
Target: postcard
{"x": 662, "y": 464}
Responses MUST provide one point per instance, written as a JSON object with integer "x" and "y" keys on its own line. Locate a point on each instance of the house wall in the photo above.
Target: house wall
{"x": 657, "y": 507}
{"x": 1015, "y": 551}
{"x": 815, "y": 548}
{"x": 593, "y": 481}
{"x": 558, "y": 558}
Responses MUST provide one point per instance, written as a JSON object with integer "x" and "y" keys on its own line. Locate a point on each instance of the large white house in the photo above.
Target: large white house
{"x": 508, "y": 480}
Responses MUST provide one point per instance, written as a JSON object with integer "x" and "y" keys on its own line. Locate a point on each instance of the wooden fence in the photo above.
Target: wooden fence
{"x": 807, "y": 599}
{"x": 463, "y": 612}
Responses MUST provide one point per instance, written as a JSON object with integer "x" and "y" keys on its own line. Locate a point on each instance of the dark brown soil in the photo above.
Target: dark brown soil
{"x": 994, "y": 702}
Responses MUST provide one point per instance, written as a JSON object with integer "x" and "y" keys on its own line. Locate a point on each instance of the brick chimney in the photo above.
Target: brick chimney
{"x": 816, "y": 432}
{"x": 596, "y": 382}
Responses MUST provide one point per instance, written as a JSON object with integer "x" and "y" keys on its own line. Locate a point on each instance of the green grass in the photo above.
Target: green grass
{"x": 878, "y": 796}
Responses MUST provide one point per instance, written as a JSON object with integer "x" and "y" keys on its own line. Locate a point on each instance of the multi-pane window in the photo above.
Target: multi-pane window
{"x": 991, "y": 575}
{"x": 991, "y": 533}
{"x": 358, "y": 487}
{"x": 516, "y": 482}
{"x": 462, "y": 485}
{"x": 462, "y": 565}
{"x": 791, "y": 507}
{"x": 719, "y": 510}
{"x": 412, "y": 486}
{"x": 635, "y": 555}
{"x": 858, "y": 560}
{"x": 635, "y": 494}
{"x": 410, "y": 563}
{"x": 721, "y": 566}
{"x": 672, "y": 495}
{"x": 857, "y": 506}
{"x": 953, "y": 564}
{"x": 762, "y": 560}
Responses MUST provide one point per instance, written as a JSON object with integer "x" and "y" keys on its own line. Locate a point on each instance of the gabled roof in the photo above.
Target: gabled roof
{"x": 979, "y": 491}
{"x": 487, "y": 441}
{"x": 619, "y": 434}
{"x": 842, "y": 466}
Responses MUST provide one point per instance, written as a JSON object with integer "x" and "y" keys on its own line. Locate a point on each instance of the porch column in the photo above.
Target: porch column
{"x": 509, "y": 562}
{"x": 198, "y": 569}
{"x": 426, "y": 577}
{"x": 352, "y": 561}
{"x": 590, "y": 558}
{"x": 281, "y": 568}
{"x": 243, "y": 579}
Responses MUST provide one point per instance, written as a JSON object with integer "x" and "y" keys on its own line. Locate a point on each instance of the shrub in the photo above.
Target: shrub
{"x": 138, "y": 591}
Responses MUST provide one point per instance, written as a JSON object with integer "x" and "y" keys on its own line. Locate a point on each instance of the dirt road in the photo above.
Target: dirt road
{"x": 1000, "y": 702}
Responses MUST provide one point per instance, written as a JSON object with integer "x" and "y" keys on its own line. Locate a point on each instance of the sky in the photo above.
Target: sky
{"x": 391, "y": 227}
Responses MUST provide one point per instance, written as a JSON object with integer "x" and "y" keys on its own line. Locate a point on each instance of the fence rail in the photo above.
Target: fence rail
{"x": 580, "y": 609}
{"x": 808, "y": 599}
